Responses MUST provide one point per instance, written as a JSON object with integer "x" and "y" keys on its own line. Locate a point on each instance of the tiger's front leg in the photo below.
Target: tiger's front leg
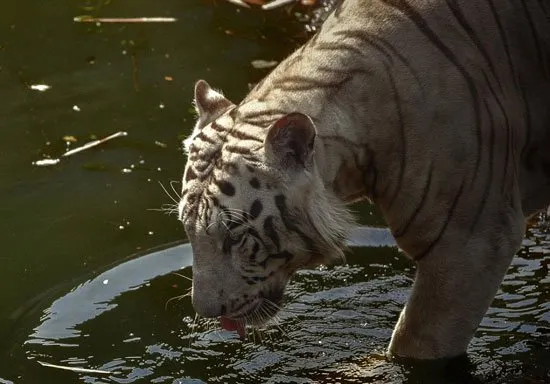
{"x": 457, "y": 280}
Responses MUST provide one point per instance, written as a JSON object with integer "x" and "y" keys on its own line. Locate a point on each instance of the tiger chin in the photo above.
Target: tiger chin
{"x": 435, "y": 111}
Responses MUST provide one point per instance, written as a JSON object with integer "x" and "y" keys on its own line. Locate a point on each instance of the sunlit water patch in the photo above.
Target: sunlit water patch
{"x": 335, "y": 326}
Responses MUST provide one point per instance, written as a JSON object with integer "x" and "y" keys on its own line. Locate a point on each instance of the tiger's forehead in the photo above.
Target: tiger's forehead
{"x": 232, "y": 184}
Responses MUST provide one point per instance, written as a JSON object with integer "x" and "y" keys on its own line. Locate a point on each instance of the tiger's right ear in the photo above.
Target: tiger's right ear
{"x": 208, "y": 102}
{"x": 290, "y": 141}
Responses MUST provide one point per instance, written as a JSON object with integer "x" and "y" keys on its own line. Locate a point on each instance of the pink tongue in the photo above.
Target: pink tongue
{"x": 232, "y": 325}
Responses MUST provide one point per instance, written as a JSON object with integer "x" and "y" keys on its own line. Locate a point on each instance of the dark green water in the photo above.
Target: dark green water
{"x": 78, "y": 286}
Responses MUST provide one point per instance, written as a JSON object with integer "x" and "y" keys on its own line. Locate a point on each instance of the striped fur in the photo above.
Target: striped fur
{"x": 435, "y": 110}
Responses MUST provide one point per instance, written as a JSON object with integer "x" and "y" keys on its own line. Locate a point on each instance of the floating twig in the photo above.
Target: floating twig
{"x": 240, "y": 3}
{"x": 276, "y": 4}
{"x": 88, "y": 145}
{"x": 39, "y": 87}
{"x": 94, "y": 143}
{"x": 91, "y": 19}
{"x": 75, "y": 369}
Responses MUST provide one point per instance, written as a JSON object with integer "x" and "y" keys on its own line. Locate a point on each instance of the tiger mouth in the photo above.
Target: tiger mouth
{"x": 260, "y": 311}
{"x": 256, "y": 316}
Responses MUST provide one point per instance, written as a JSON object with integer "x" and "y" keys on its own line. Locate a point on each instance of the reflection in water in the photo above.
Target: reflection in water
{"x": 93, "y": 297}
{"x": 334, "y": 328}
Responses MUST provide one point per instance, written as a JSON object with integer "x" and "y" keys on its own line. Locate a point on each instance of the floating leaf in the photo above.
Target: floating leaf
{"x": 263, "y": 64}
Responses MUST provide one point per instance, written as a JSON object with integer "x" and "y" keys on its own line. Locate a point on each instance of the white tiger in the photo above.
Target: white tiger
{"x": 438, "y": 111}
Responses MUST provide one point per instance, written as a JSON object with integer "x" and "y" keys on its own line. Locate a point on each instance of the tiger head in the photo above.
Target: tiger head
{"x": 254, "y": 207}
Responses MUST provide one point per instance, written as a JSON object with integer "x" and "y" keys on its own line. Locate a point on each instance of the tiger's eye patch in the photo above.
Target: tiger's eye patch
{"x": 256, "y": 209}
{"x": 255, "y": 183}
{"x": 226, "y": 187}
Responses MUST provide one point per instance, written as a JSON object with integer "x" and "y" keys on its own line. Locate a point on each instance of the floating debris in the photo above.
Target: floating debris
{"x": 91, "y": 19}
{"x": 161, "y": 144}
{"x": 76, "y": 108}
{"x": 88, "y": 145}
{"x": 69, "y": 139}
{"x": 276, "y": 4}
{"x": 45, "y": 162}
{"x": 39, "y": 87}
{"x": 75, "y": 369}
{"x": 263, "y": 64}
{"x": 94, "y": 143}
{"x": 239, "y": 3}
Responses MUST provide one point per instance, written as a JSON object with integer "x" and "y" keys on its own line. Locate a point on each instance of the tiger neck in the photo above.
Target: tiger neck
{"x": 351, "y": 103}
{"x": 346, "y": 167}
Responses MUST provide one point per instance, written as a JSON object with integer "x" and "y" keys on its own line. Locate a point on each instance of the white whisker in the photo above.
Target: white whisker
{"x": 182, "y": 276}
{"x": 176, "y": 201}
{"x": 176, "y": 298}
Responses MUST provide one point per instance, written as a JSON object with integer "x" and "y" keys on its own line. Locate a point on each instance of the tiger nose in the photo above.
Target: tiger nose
{"x": 207, "y": 299}
{"x": 207, "y": 307}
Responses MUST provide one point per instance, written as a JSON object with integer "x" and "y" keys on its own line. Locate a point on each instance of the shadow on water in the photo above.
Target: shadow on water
{"x": 60, "y": 226}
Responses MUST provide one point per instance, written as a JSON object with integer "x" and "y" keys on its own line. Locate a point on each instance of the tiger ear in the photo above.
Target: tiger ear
{"x": 208, "y": 102}
{"x": 289, "y": 142}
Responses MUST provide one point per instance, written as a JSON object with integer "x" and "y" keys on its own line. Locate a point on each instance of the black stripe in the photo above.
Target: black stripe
{"x": 253, "y": 256}
{"x": 527, "y": 112}
{"x": 397, "y": 102}
{"x": 238, "y": 149}
{"x": 290, "y": 224}
{"x": 536, "y": 37}
{"x": 489, "y": 176}
{"x": 256, "y": 209}
{"x": 457, "y": 13}
{"x": 205, "y": 166}
{"x": 243, "y": 135}
{"x": 216, "y": 127}
{"x": 371, "y": 169}
{"x": 444, "y": 227}
{"x": 255, "y": 114}
{"x": 271, "y": 233}
{"x": 402, "y": 230}
{"x": 303, "y": 83}
{"x": 422, "y": 25}
{"x": 508, "y": 134}
{"x": 381, "y": 45}
{"x": 225, "y": 187}
{"x": 254, "y": 183}
{"x": 362, "y": 36}
{"x": 190, "y": 174}
{"x": 284, "y": 255}
{"x": 504, "y": 41}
